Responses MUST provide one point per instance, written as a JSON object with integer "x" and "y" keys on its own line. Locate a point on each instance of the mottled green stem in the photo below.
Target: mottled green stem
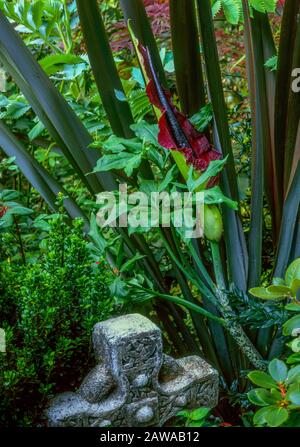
{"x": 237, "y": 332}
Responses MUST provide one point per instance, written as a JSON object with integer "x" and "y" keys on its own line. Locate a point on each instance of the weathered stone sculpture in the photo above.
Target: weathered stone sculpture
{"x": 134, "y": 383}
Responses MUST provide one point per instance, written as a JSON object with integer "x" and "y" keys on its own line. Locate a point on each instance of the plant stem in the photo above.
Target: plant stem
{"x": 237, "y": 332}
{"x": 184, "y": 303}
{"x": 218, "y": 266}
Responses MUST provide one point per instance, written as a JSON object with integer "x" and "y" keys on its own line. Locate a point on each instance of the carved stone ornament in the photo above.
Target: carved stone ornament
{"x": 134, "y": 384}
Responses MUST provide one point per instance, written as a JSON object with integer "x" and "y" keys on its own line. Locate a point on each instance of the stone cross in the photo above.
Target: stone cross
{"x": 134, "y": 383}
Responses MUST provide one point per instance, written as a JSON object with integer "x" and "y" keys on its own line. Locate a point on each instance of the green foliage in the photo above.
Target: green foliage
{"x": 282, "y": 289}
{"x": 48, "y": 309}
{"x": 233, "y": 9}
{"x": 278, "y": 395}
{"x": 206, "y": 283}
{"x": 195, "y": 418}
{"x": 271, "y": 63}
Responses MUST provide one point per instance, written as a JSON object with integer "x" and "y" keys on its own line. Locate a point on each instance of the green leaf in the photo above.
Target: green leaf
{"x": 295, "y": 286}
{"x": 291, "y": 325}
{"x": 294, "y": 374}
{"x": 283, "y": 290}
{"x": 278, "y": 370}
{"x": 266, "y": 396}
{"x": 271, "y": 63}
{"x": 276, "y": 416}
{"x": 18, "y": 211}
{"x": 256, "y": 399}
{"x": 293, "y": 272}
{"x": 295, "y": 344}
{"x": 41, "y": 180}
{"x": 129, "y": 264}
{"x": 262, "y": 293}
{"x": 53, "y": 62}
{"x": 37, "y": 9}
{"x": 264, "y": 5}
{"x": 116, "y": 144}
{"x": 167, "y": 180}
{"x": 259, "y": 417}
{"x": 199, "y": 413}
{"x": 215, "y": 196}
{"x": 202, "y": 118}
{"x": 213, "y": 169}
{"x": 53, "y": 110}
{"x": 293, "y": 307}
{"x": 125, "y": 160}
{"x": 293, "y": 394}
{"x": 232, "y": 11}
{"x": 278, "y": 282}
{"x": 36, "y": 131}
{"x": 262, "y": 379}
{"x": 147, "y": 132}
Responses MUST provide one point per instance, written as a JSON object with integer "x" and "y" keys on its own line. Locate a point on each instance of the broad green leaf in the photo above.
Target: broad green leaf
{"x": 295, "y": 344}
{"x": 293, "y": 307}
{"x": 291, "y": 325}
{"x": 213, "y": 169}
{"x": 294, "y": 358}
{"x": 215, "y": 196}
{"x": 283, "y": 290}
{"x": 278, "y": 370}
{"x": 147, "y": 132}
{"x": 116, "y": 144}
{"x": 262, "y": 379}
{"x": 276, "y": 416}
{"x": 293, "y": 394}
{"x": 264, "y": 5}
{"x": 259, "y": 417}
{"x": 126, "y": 161}
{"x": 271, "y": 63}
{"x": 295, "y": 286}
{"x": 202, "y": 119}
{"x": 37, "y": 9}
{"x": 53, "y": 62}
{"x": 255, "y": 399}
{"x": 278, "y": 282}
{"x": 262, "y": 293}
{"x": 294, "y": 374}
{"x": 19, "y": 211}
{"x": 167, "y": 180}
{"x": 199, "y": 413}
{"x": 276, "y": 394}
{"x": 293, "y": 272}
{"x": 36, "y": 130}
{"x": 232, "y": 11}
{"x": 266, "y": 396}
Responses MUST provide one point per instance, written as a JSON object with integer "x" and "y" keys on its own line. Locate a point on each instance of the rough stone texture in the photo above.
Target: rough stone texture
{"x": 134, "y": 383}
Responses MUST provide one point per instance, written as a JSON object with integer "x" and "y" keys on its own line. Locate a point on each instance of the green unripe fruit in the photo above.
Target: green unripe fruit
{"x": 213, "y": 224}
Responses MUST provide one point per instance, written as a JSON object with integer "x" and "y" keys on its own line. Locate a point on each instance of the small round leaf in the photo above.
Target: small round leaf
{"x": 276, "y": 416}
{"x": 278, "y": 370}
{"x": 262, "y": 379}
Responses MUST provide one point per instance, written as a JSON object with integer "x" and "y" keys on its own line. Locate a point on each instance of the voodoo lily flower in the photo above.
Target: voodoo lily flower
{"x": 175, "y": 130}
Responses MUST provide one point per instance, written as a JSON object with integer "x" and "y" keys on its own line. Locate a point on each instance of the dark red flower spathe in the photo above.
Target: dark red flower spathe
{"x": 175, "y": 130}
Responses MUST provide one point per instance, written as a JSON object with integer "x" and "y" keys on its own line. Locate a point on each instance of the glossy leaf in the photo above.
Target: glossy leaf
{"x": 278, "y": 370}
{"x": 262, "y": 379}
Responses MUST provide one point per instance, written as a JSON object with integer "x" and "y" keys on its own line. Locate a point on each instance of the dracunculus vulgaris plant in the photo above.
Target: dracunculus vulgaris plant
{"x": 235, "y": 255}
